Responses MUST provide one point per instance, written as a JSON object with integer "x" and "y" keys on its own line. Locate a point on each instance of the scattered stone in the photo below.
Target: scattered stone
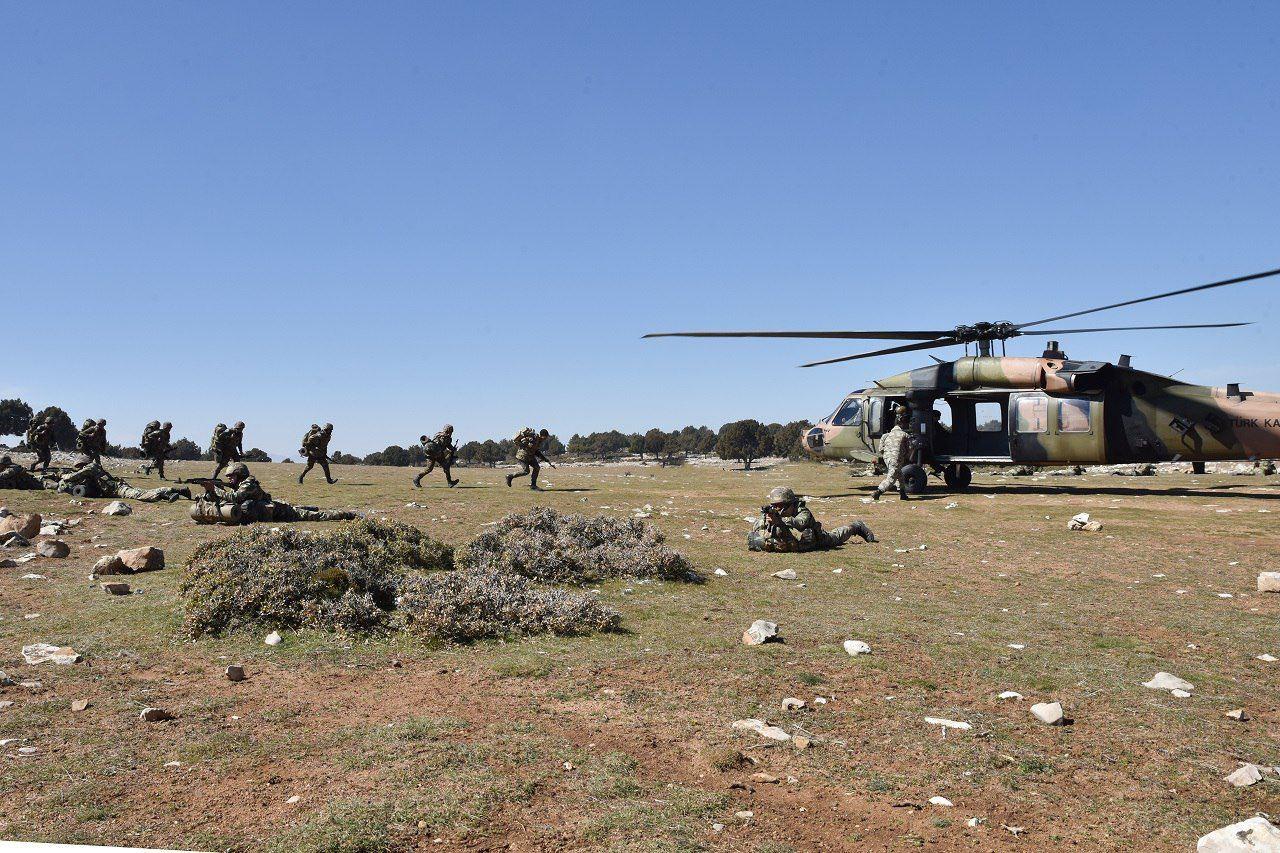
{"x": 785, "y": 575}
{"x": 975, "y": 822}
{"x": 44, "y": 652}
{"x": 761, "y": 728}
{"x": 1255, "y": 835}
{"x": 14, "y": 541}
{"x": 856, "y": 647}
{"x": 761, "y": 631}
{"x": 116, "y": 588}
{"x": 1269, "y": 582}
{"x": 27, "y": 750}
{"x": 791, "y": 703}
{"x": 117, "y": 508}
{"x": 940, "y": 801}
{"x": 801, "y": 742}
{"x": 26, "y": 526}
{"x": 1268, "y": 658}
{"x": 1245, "y": 775}
{"x": 8, "y": 564}
{"x": 948, "y": 724}
{"x": 1168, "y": 681}
{"x": 1179, "y": 694}
{"x": 1010, "y": 694}
{"x": 764, "y": 778}
{"x": 744, "y": 815}
{"x": 1083, "y": 522}
{"x": 79, "y": 705}
{"x": 5, "y": 680}
{"x": 721, "y": 572}
{"x": 1049, "y": 713}
{"x": 154, "y": 715}
{"x": 273, "y": 639}
{"x": 235, "y": 672}
{"x": 294, "y": 800}
{"x": 144, "y": 559}
{"x": 53, "y": 548}
{"x": 1240, "y": 715}
{"x": 111, "y": 565}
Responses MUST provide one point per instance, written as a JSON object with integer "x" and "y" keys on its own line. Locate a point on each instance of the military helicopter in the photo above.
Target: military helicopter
{"x": 1051, "y": 410}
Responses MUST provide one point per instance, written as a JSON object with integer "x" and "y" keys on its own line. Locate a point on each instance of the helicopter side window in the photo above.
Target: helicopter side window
{"x": 1032, "y": 414}
{"x": 988, "y": 417}
{"x": 875, "y": 416}
{"x": 1073, "y": 416}
{"x": 849, "y": 413}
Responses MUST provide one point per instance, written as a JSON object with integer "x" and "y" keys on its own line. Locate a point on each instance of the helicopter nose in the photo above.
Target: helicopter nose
{"x": 815, "y": 439}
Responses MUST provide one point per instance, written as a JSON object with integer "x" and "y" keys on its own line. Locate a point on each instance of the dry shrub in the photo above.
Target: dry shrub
{"x": 346, "y": 579}
{"x": 553, "y": 547}
{"x": 469, "y": 604}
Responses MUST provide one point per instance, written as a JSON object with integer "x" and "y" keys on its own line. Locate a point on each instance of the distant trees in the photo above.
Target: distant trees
{"x": 64, "y": 430}
{"x": 745, "y": 441}
{"x": 788, "y": 438}
{"x": 340, "y": 458}
{"x": 256, "y": 455}
{"x": 15, "y": 417}
{"x": 185, "y": 449}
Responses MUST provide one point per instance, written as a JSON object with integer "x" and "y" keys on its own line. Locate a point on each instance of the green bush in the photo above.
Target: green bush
{"x": 553, "y": 547}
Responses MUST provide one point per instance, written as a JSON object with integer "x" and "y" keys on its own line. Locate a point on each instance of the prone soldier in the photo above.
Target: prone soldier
{"x": 786, "y": 525}
{"x": 14, "y": 476}
{"x": 242, "y": 500}
{"x": 90, "y": 480}
{"x": 441, "y": 450}
{"x": 315, "y": 446}
{"x": 40, "y": 440}
{"x": 156, "y": 445}
{"x": 895, "y": 449}
{"x": 529, "y": 454}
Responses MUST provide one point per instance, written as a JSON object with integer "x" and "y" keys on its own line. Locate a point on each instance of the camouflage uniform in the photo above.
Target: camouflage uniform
{"x": 799, "y": 531}
{"x": 440, "y": 450}
{"x": 40, "y": 440}
{"x": 895, "y": 449}
{"x": 14, "y": 476}
{"x": 255, "y": 502}
{"x": 87, "y": 441}
{"x": 155, "y": 444}
{"x": 529, "y": 454}
{"x": 315, "y": 446}
{"x": 91, "y": 480}
{"x": 227, "y": 446}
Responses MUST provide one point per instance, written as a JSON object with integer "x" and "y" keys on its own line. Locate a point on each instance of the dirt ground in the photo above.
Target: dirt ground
{"x": 623, "y": 741}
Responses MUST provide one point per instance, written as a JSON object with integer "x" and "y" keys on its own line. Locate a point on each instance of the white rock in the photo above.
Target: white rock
{"x": 975, "y": 822}
{"x": 1268, "y": 658}
{"x": 856, "y": 647}
{"x": 947, "y": 724}
{"x": 45, "y": 652}
{"x": 1179, "y": 694}
{"x": 1245, "y": 775}
{"x": 761, "y": 728}
{"x": 940, "y": 801}
{"x": 1269, "y": 582}
{"x": 744, "y": 815}
{"x": 154, "y": 715}
{"x": 761, "y": 631}
{"x": 721, "y": 572}
{"x": 791, "y": 703}
{"x": 785, "y": 575}
{"x": 1255, "y": 835}
{"x": 1010, "y": 694}
{"x": 1168, "y": 681}
{"x": 273, "y": 639}
{"x": 117, "y": 508}
{"x": 1239, "y": 715}
{"x": 1049, "y": 713}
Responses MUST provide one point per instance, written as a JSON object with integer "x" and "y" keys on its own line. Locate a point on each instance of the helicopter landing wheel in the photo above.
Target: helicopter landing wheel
{"x": 957, "y": 476}
{"x": 915, "y": 478}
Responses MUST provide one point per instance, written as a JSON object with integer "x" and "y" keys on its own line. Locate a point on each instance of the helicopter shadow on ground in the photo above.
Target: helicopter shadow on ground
{"x": 1223, "y": 491}
{"x": 891, "y": 496}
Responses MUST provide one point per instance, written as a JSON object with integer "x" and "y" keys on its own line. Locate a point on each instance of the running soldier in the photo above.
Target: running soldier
{"x": 155, "y": 445}
{"x": 253, "y": 503}
{"x": 87, "y": 441}
{"x": 315, "y": 446}
{"x": 786, "y": 525}
{"x": 227, "y": 446}
{"x": 441, "y": 450}
{"x": 529, "y": 454}
{"x": 40, "y": 440}
{"x": 895, "y": 449}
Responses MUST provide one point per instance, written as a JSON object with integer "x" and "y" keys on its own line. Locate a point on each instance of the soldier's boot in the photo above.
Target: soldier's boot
{"x": 533, "y": 482}
{"x": 876, "y": 494}
{"x": 859, "y": 528}
{"x": 510, "y": 477}
{"x": 902, "y": 492}
{"x": 417, "y": 482}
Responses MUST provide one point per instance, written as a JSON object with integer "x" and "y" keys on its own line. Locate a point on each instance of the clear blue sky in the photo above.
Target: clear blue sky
{"x": 391, "y": 215}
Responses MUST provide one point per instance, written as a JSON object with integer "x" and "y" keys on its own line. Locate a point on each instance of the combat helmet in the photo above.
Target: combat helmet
{"x": 782, "y": 495}
{"x": 238, "y": 471}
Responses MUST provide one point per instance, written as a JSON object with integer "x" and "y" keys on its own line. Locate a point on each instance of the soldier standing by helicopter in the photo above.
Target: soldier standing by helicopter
{"x": 895, "y": 448}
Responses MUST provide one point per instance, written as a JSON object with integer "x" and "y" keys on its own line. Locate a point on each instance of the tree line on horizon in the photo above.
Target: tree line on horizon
{"x": 743, "y": 441}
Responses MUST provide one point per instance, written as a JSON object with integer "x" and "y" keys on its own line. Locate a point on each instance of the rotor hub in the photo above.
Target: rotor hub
{"x": 1000, "y": 331}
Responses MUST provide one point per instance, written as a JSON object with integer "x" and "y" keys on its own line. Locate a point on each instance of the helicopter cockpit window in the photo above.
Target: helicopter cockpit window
{"x": 849, "y": 413}
{"x": 1073, "y": 416}
{"x": 1032, "y": 414}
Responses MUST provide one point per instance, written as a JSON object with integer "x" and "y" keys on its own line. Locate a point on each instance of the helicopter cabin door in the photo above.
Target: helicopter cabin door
{"x": 1049, "y": 429}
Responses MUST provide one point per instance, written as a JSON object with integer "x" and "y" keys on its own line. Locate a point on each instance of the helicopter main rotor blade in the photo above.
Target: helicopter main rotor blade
{"x": 943, "y": 342}
{"x": 875, "y": 336}
{"x": 1131, "y": 328}
{"x": 1209, "y": 286}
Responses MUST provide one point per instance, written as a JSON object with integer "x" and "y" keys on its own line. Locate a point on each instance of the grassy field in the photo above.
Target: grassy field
{"x": 623, "y": 741}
